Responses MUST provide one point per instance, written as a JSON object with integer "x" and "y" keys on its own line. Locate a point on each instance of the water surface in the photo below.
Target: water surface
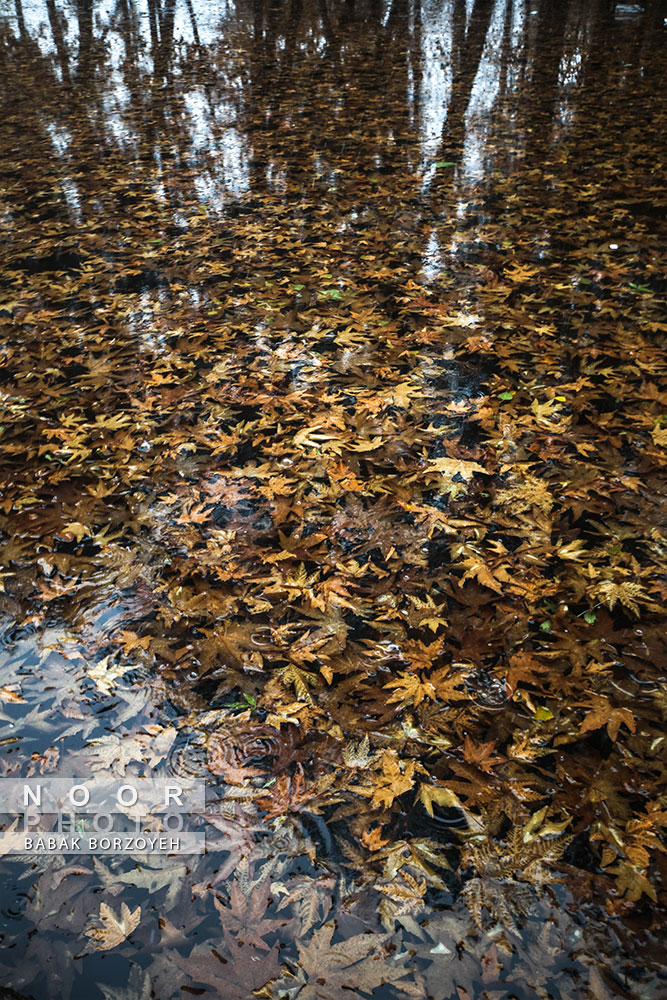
{"x": 333, "y": 446}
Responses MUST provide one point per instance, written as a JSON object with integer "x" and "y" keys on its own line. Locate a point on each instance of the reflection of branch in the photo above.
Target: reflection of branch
{"x": 414, "y": 55}
{"x": 165, "y": 20}
{"x": 328, "y": 28}
{"x": 153, "y": 24}
{"x": 129, "y": 32}
{"x": 58, "y": 39}
{"x": 506, "y": 46}
{"x": 19, "y": 17}
{"x": 546, "y": 69}
{"x": 469, "y": 57}
{"x": 294, "y": 19}
{"x": 84, "y": 10}
{"x": 193, "y": 22}
{"x": 398, "y": 14}
{"x": 273, "y": 59}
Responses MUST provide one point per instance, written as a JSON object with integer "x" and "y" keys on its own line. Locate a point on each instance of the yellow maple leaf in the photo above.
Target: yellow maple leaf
{"x": 372, "y": 839}
{"x": 372, "y": 444}
{"x": 602, "y": 713}
{"x": 105, "y": 674}
{"x": 112, "y": 423}
{"x": 659, "y": 435}
{"x": 438, "y": 794}
{"x": 545, "y": 412}
{"x": 77, "y": 529}
{"x": 300, "y": 680}
{"x": 625, "y": 592}
{"x": 455, "y": 466}
{"x": 410, "y": 688}
{"x": 632, "y": 883}
{"x": 520, "y": 272}
{"x": 481, "y": 572}
{"x": 6, "y": 694}
{"x": 397, "y": 777}
{"x": 115, "y": 929}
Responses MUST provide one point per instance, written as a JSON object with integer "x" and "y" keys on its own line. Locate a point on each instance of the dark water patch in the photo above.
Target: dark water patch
{"x": 142, "y": 281}
{"x": 66, "y": 261}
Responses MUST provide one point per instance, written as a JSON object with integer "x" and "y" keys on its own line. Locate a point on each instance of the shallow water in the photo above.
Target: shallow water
{"x": 333, "y": 442}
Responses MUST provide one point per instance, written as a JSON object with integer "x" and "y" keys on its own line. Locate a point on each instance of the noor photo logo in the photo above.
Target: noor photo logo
{"x": 99, "y": 815}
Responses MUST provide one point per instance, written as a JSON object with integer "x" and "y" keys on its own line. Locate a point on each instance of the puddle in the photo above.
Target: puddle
{"x": 332, "y": 448}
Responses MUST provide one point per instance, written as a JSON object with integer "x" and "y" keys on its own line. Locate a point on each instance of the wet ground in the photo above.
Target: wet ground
{"x": 333, "y": 437}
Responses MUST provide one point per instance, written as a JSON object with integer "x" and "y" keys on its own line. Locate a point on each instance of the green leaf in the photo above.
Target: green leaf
{"x": 445, "y": 163}
{"x": 330, "y": 293}
{"x": 546, "y": 625}
{"x": 248, "y": 700}
{"x": 590, "y": 617}
{"x": 506, "y": 396}
{"x": 543, "y": 714}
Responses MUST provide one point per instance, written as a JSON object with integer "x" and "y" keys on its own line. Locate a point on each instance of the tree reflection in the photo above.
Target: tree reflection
{"x": 210, "y": 104}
